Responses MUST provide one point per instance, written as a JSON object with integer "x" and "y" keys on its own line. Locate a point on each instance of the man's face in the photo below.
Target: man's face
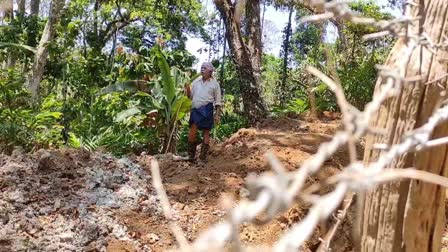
{"x": 206, "y": 73}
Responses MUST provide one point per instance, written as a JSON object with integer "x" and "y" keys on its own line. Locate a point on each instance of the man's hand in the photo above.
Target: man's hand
{"x": 188, "y": 90}
{"x": 217, "y": 119}
{"x": 217, "y": 114}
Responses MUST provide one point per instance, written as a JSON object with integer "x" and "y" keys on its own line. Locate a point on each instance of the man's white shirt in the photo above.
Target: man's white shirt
{"x": 205, "y": 92}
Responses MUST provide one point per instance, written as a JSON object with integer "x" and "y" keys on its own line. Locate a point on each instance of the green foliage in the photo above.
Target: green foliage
{"x": 169, "y": 89}
{"x": 366, "y": 8}
{"x": 166, "y": 100}
{"x": 230, "y": 122}
{"x": 21, "y": 125}
{"x": 271, "y": 78}
{"x": 353, "y": 59}
{"x": 296, "y": 106}
{"x": 108, "y": 84}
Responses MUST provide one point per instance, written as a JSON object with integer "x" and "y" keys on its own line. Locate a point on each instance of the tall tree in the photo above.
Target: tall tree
{"x": 246, "y": 52}
{"x": 288, "y": 32}
{"x": 34, "y": 7}
{"x": 246, "y": 49}
{"x": 9, "y": 9}
{"x": 21, "y": 6}
{"x": 409, "y": 215}
{"x": 42, "y": 51}
{"x": 33, "y": 27}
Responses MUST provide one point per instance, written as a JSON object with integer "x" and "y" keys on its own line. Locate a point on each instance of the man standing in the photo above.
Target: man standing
{"x": 206, "y": 97}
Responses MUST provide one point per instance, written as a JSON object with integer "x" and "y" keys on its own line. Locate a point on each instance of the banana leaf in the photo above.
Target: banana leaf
{"x": 127, "y": 113}
{"x": 168, "y": 85}
{"x": 180, "y": 108}
{"x": 131, "y": 86}
{"x": 17, "y": 46}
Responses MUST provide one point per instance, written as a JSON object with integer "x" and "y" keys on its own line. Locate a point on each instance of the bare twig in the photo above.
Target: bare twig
{"x": 157, "y": 182}
{"x": 325, "y": 245}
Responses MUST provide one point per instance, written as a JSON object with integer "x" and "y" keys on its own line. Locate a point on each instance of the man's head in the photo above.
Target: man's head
{"x": 207, "y": 70}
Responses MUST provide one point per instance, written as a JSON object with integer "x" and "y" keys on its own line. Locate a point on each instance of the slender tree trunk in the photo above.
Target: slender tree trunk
{"x": 112, "y": 50}
{"x": 33, "y": 28}
{"x": 283, "y": 87}
{"x": 84, "y": 39}
{"x": 21, "y": 6}
{"x": 410, "y": 216}
{"x": 95, "y": 18}
{"x": 223, "y": 60}
{"x": 9, "y": 14}
{"x": 9, "y": 10}
{"x": 312, "y": 99}
{"x": 262, "y": 18}
{"x": 246, "y": 55}
{"x": 34, "y": 8}
{"x": 42, "y": 51}
{"x": 224, "y": 48}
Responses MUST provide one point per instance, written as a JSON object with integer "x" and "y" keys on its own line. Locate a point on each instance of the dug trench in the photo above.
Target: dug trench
{"x": 74, "y": 200}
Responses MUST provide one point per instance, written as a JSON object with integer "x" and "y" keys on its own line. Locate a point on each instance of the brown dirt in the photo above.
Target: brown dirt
{"x": 195, "y": 191}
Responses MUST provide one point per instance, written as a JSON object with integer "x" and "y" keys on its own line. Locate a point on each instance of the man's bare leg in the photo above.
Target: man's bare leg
{"x": 205, "y": 145}
{"x": 206, "y": 137}
{"x": 192, "y": 133}
{"x": 192, "y": 141}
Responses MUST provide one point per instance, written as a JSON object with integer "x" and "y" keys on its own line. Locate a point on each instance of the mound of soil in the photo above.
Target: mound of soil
{"x": 68, "y": 200}
{"x": 196, "y": 191}
{"x": 71, "y": 200}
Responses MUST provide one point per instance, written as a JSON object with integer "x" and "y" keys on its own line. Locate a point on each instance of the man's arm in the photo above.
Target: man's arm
{"x": 188, "y": 90}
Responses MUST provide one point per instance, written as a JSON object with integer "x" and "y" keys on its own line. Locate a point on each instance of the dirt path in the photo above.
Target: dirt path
{"x": 71, "y": 200}
{"x": 195, "y": 191}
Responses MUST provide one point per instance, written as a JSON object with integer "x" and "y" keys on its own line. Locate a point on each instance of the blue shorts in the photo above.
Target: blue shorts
{"x": 202, "y": 117}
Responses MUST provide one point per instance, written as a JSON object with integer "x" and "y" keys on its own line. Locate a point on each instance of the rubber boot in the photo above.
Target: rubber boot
{"x": 191, "y": 151}
{"x": 204, "y": 151}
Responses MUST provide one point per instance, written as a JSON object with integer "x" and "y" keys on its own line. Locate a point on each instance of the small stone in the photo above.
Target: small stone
{"x": 193, "y": 190}
{"x": 46, "y": 210}
{"x": 304, "y": 128}
{"x": 57, "y": 204}
{"x": 29, "y": 214}
{"x": 17, "y": 197}
{"x": 32, "y": 231}
{"x": 66, "y": 237}
{"x": 244, "y": 193}
{"x": 91, "y": 232}
{"x": 152, "y": 238}
{"x": 108, "y": 202}
{"x": 92, "y": 185}
{"x": 179, "y": 206}
{"x": 46, "y": 161}
{"x": 4, "y": 218}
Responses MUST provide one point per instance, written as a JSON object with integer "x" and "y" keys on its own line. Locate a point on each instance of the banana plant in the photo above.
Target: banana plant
{"x": 169, "y": 103}
{"x": 175, "y": 105}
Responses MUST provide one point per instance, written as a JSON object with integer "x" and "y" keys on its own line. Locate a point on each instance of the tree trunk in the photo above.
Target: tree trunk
{"x": 246, "y": 55}
{"x": 283, "y": 87}
{"x": 42, "y": 51}
{"x": 21, "y": 6}
{"x": 409, "y": 216}
{"x": 32, "y": 26}
{"x": 312, "y": 99}
{"x": 9, "y": 9}
{"x": 34, "y": 8}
